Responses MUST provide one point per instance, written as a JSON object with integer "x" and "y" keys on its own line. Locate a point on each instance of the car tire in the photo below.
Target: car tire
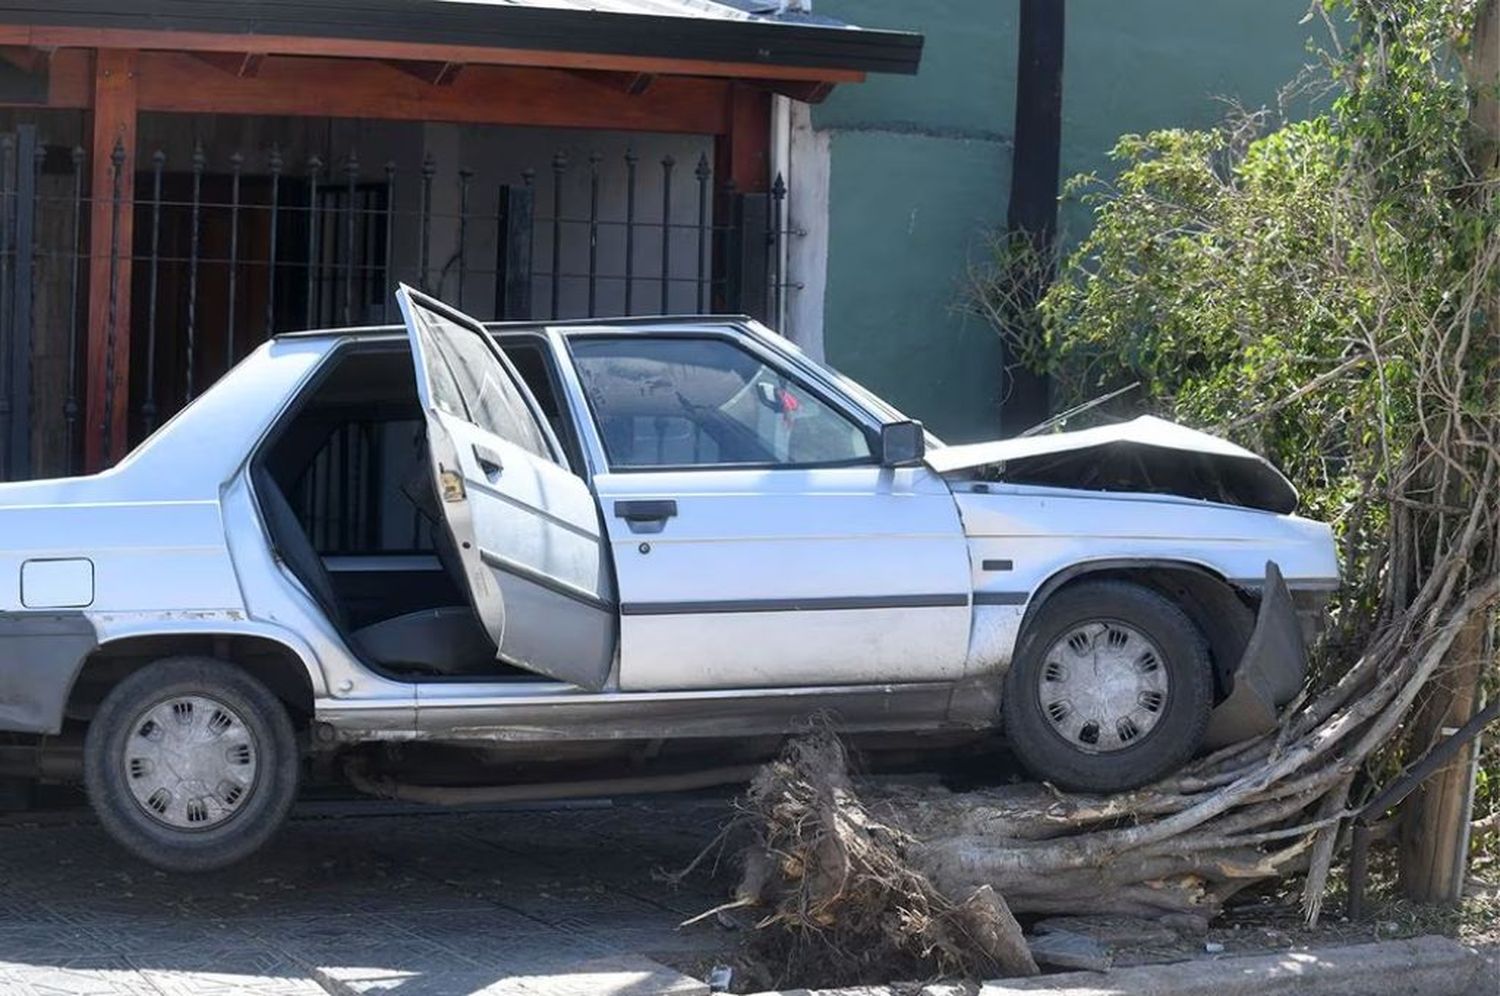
{"x": 1110, "y": 688}
{"x": 191, "y": 764}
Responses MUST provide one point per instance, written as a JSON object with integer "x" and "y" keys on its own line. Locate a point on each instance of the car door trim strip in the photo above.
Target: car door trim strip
{"x": 795, "y": 604}
{"x": 1001, "y": 597}
{"x": 552, "y": 584}
{"x": 485, "y": 487}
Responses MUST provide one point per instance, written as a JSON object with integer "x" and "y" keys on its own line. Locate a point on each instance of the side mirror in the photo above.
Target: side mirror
{"x": 902, "y": 444}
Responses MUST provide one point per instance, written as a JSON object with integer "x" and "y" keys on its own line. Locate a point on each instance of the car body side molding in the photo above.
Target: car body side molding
{"x": 937, "y": 601}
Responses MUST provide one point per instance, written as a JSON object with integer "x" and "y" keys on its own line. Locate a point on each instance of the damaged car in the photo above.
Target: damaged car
{"x": 457, "y": 562}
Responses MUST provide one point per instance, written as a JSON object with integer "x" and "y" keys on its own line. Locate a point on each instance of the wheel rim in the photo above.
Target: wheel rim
{"x": 1103, "y": 686}
{"x": 190, "y": 762}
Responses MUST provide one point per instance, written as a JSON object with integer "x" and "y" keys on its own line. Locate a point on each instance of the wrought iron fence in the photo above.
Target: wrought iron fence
{"x": 224, "y": 249}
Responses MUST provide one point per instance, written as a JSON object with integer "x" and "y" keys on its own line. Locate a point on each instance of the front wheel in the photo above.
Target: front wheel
{"x": 1110, "y": 688}
{"x": 191, "y": 764}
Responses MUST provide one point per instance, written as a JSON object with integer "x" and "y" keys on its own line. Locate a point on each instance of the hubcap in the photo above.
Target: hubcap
{"x": 1103, "y": 687}
{"x": 190, "y": 762}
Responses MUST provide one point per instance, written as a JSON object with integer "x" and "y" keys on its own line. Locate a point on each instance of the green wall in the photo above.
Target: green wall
{"x": 1146, "y": 64}
{"x": 920, "y": 166}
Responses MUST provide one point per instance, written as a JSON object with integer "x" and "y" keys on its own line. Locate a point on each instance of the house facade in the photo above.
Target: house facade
{"x": 178, "y": 181}
{"x": 910, "y": 173}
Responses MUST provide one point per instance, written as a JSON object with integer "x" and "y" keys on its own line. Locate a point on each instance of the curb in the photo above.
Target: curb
{"x": 1431, "y": 966}
{"x": 1422, "y": 966}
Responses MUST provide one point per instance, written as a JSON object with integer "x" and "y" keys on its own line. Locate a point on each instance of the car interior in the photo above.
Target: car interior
{"x": 350, "y": 507}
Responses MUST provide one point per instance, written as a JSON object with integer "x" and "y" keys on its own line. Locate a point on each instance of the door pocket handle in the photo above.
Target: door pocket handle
{"x": 489, "y": 460}
{"x": 646, "y": 516}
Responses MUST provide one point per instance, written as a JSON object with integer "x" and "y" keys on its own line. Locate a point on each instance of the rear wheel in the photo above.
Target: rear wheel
{"x": 191, "y": 764}
{"x": 1111, "y": 688}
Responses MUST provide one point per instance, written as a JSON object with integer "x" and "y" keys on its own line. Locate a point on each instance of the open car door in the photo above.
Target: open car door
{"x": 525, "y": 527}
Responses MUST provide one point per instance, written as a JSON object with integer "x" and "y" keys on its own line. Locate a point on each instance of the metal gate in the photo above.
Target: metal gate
{"x": 225, "y": 245}
{"x": 18, "y": 203}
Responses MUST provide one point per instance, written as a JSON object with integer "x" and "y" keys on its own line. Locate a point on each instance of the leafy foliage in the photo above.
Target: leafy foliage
{"x": 1271, "y": 283}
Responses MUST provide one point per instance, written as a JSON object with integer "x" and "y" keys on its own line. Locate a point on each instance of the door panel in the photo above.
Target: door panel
{"x": 525, "y": 527}
{"x": 810, "y": 576}
{"x": 536, "y": 530}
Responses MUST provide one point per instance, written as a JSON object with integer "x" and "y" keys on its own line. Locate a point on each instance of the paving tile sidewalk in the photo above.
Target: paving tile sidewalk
{"x": 531, "y": 903}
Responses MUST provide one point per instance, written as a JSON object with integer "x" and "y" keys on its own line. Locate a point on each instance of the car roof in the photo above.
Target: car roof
{"x": 639, "y": 323}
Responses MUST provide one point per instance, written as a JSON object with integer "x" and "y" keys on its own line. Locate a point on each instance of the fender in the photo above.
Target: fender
{"x": 1083, "y": 568}
{"x": 113, "y": 628}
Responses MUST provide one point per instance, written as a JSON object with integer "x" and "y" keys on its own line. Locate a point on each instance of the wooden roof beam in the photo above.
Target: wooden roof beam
{"x": 242, "y": 65}
{"x": 433, "y": 73}
{"x": 175, "y": 82}
{"x": 809, "y": 92}
{"x": 28, "y": 59}
{"x": 632, "y": 83}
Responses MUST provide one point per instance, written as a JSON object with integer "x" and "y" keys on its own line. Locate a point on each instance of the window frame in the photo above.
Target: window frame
{"x": 750, "y": 347}
{"x": 570, "y": 439}
{"x": 300, "y": 397}
{"x": 558, "y": 454}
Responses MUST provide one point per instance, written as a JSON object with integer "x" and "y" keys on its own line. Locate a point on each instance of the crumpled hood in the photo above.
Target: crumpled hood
{"x": 1146, "y": 454}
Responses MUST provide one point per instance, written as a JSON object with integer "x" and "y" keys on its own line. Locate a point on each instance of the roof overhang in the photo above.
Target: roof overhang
{"x": 704, "y": 38}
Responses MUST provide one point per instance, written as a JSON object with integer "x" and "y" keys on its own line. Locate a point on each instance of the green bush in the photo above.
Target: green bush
{"x": 1279, "y": 288}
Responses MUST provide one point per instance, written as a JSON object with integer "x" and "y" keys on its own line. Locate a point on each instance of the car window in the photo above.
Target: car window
{"x": 469, "y": 382}
{"x": 688, "y": 401}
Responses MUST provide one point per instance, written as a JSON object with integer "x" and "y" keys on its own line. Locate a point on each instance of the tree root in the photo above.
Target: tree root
{"x": 859, "y": 883}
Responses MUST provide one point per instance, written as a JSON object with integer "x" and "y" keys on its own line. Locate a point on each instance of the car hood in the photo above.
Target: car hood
{"x": 1146, "y": 454}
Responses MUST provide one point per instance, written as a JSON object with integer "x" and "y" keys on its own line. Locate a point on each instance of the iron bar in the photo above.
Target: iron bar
{"x": 195, "y": 237}
{"x": 70, "y": 405}
{"x": 390, "y": 233}
{"x": 314, "y": 166}
{"x": 275, "y": 165}
{"x": 726, "y": 248}
{"x": 9, "y": 203}
{"x": 667, "y": 163}
{"x": 630, "y": 163}
{"x": 703, "y": 172}
{"x": 29, "y": 154}
{"x": 559, "y": 167}
{"x": 465, "y": 177}
{"x": 236, "y": 167}
{"x": 351, "y": 184}
{"x": 148, "y": 405}
{"x": 429, "y": 167}
{"x": 594, "y": 158}
{"x": 528, "y": 183}
{"x": 774, "y": 283}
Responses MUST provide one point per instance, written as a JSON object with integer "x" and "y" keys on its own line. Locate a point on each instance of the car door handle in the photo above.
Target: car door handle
{"x": 489, "y": 460}
{"x": 640, "y": 513}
